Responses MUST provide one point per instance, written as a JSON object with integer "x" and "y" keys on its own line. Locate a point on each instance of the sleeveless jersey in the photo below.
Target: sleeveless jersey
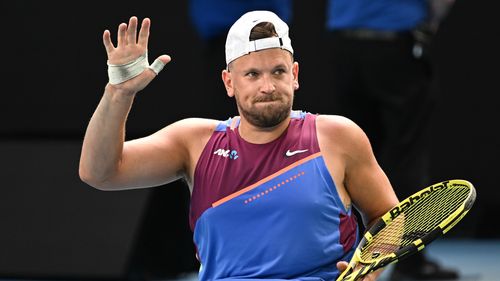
{"x": 268, "y": 211}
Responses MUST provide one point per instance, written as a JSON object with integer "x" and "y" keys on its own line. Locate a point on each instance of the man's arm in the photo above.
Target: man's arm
{"x": 366, "y": 184}
{"x": 107, "y": 162}
{"x": 365, "y": 181}
{"x": 354, "y": 167}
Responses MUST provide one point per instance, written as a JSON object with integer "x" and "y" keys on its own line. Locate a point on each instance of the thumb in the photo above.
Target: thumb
{"x": 159, "y": 63}
{"x": 165, "y": 58}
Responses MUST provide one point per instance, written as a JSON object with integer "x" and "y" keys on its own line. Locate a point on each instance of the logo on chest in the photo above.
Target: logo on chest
{"x": 290, "y": 153}
{"x": 227, "y": 153}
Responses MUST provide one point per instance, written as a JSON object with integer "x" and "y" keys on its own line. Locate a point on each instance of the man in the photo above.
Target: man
{"x": 271, "y": 189}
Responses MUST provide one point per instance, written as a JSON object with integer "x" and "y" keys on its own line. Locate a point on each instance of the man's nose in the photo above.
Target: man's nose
{"x": 267, "y": 85}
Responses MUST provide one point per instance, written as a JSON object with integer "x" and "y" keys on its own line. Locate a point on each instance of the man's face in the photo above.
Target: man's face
{"x": 263, "y": 84}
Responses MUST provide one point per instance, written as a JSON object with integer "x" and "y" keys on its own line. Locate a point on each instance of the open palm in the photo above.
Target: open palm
{"x": 129, "y": 47}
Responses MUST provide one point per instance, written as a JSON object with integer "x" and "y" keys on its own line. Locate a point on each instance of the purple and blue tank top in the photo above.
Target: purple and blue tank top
{"x": 268, "y": 211}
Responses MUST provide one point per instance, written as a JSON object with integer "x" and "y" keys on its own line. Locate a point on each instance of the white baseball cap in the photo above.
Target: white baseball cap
{"x": 238, "y": 38}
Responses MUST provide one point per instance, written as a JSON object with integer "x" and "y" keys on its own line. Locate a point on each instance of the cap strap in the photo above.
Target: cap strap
{"x": 265, "y": 43}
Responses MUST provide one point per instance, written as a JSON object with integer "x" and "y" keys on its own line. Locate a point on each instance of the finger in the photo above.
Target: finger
{"x": 144, "y": 32}
{"x": 132, "y": 30}
{"x": 122, "y": 39}
{"x": 106, "y": 39}
{"x": 341, "y": 266}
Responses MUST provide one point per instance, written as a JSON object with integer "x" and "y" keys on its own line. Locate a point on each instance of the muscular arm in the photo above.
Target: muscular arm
{"x": 365, "y": 180}
{"x": 356, "y": 171}
{"x": 108, "y": 162}
{"x": 103, "y": 143}
{"x": 355, "y": 168}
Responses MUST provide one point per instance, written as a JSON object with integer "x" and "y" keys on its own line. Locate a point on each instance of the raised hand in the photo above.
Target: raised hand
{"x": 129, "y": 48}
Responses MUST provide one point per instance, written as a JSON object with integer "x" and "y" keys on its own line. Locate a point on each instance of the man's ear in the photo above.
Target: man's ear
{"x": 228, "y": 82}
{"x": 295, "y": 72}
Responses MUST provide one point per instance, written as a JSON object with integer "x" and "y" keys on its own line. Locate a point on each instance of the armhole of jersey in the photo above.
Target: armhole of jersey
{"x": 345, "y": 209}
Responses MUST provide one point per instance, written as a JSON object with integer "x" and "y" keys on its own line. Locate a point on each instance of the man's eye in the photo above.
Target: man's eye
{"x": 279, "y": 71}
{"x": 251, "y": 74}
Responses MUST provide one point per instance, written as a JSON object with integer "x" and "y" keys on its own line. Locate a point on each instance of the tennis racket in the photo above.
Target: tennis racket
{"x": 410, "y": 226}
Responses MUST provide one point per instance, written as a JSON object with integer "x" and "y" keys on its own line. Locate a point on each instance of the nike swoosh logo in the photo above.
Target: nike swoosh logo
{"x": 292, "y": 153}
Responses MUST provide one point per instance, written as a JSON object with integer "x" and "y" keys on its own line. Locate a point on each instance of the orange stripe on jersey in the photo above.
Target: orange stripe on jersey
{"x": 248, "y": 188}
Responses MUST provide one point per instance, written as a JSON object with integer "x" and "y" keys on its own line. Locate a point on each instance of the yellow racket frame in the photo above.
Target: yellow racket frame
{"x": 359, "y": 268}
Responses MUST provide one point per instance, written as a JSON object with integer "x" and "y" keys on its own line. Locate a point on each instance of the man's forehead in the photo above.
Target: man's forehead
{"x": 264, "y": 58}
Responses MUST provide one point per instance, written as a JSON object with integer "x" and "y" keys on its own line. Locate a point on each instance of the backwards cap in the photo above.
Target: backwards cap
{"x": 238, "y": 38}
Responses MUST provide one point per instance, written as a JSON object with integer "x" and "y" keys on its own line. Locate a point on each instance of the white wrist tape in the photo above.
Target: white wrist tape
{"x": 119, "y": 73}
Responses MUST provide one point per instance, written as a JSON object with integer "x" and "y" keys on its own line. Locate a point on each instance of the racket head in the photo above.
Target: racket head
{"x": 411, "y": 225}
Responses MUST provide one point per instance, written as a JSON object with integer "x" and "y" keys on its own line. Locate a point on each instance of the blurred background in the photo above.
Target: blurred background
{"x": 53, "y": 226}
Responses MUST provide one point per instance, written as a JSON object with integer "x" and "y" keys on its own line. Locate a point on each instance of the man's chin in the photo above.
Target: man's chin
{"x": 267, "y": 118}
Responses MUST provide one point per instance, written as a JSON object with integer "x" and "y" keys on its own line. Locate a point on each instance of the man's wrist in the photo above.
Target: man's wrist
{"x": 117, "y": 93}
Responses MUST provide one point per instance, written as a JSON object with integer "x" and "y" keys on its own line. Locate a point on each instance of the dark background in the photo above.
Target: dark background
{"x": 53, "y": 73}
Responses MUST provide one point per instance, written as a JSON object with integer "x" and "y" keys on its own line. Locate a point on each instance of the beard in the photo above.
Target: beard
{"x": 268, "y": 115}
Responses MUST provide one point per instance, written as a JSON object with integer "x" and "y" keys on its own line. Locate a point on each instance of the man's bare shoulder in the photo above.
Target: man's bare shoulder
{"x": 189, "y": 135}
{"x": 337, "y": 123}
{"x": 197, "y": 125}
{"x": 340, "y": 131}
{"x": 184, "y": 132}
{"x": 189, "y": 131}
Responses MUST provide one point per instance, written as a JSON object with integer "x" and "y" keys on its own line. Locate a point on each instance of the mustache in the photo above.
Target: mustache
{"x": 267, "y": 98}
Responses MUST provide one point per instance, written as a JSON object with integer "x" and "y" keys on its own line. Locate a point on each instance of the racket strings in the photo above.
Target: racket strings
{"x": 415, "y": 221}
{"x": 435, "y": 209}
